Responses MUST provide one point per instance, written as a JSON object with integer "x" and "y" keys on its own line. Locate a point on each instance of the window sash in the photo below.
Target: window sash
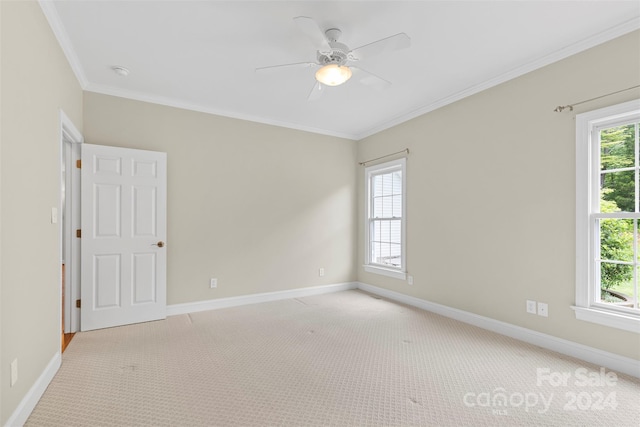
{"x": 588, "y": 174}
{"x": 381, "y": 246}
{"x": 393, "y": 212}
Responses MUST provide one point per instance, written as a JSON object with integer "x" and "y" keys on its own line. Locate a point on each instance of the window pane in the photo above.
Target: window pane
{"x": 386, "y": 242}
{"x": 397, "y": 182}
{"x": 387, "y": 208}
{"x": 375, "y": 231}
{"x": 389, "y": 254}
{"x": 385, "y": 252}
{"x": 616, "y": 239}
{"x": 385, "y": 231}
{"x": 617, "y": 147}
{"x": 617, "y": 191}
{"x": 396, "y": 253}
{"x": 387, "y": 185}
{"x": 397, "y": 206}
{"x": 375, "y": 251}
{"x": 377, "y": 186}
{"x": 377, "y": 207}
{"x": 396, "y": 235}
{"x": 614, "y": 279}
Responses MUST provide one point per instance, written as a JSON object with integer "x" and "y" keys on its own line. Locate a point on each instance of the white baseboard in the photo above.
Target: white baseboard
{"x": 30, "y": 400}
{"x": 602, "y": 358}
{"x": 215, "y": 304}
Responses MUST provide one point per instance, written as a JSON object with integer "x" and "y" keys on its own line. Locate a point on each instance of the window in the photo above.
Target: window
{"x": 608, "y": 216}
{"x": 385, "y": 222}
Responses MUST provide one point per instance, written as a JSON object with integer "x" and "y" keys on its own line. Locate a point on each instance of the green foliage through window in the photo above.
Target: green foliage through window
{"x": 617, "y": 193}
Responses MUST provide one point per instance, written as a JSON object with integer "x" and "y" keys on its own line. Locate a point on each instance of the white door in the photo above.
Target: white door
{"x": 123, "y": 255}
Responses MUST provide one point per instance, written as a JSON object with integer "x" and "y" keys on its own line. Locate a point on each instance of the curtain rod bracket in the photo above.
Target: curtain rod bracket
{"x": 561, "y": 108}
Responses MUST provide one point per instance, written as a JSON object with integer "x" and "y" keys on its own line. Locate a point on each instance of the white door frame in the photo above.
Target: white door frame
{"x": 70, "y": 140}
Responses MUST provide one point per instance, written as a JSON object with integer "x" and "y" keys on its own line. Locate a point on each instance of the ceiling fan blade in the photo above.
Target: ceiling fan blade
{"x": 293, "y": 65}
{"x": 389, "y": 44}
{"x": 370, "y": 79}
{"x": 316, "y": 92}
{"x": 314, "y": 32}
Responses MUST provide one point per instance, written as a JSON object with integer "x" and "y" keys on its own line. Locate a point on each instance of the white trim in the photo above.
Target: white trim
{"x": 50, "y": 12}
{"x": 63, "y": 39}
{"x": 612, "y": 361}
{"x": 191, "y": 106}
{"x": 603, "y": 37}
{"x": 30, "y": 400}
{"x": 69, "y": 129}
{"x": 61, "y": 35}
{"x": 369, "y": 172}
{"x": 587, "y": 161}
{"x": 608, "y": 318}
{"x": 589, "y": 354}
{"x": 396, "y": 274}
{"x": 69, "y": 132}
{"x": 215, "y": 304}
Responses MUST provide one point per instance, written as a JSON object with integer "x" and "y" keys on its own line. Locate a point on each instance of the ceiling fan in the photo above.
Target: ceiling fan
{"x": 336, "y": 60}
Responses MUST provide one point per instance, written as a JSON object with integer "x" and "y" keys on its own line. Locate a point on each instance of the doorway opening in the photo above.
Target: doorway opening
{"x": 69, "y": 221}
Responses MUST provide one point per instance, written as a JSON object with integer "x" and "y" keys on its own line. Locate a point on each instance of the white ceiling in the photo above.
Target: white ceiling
{"x": 201, "y": 55}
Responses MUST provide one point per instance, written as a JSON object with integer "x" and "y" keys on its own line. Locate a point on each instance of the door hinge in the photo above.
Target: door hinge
{"x": 78, "y": 304}
{"x": 79, "y": 164}
{"x": 78, "y": 233}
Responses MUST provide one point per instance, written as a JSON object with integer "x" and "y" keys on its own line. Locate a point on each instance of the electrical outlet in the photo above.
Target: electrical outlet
{"x": 410, "y": 280}
{"x": 321, "y": 272}
{"x": 543, "y": 309}
{"x": 14, "y": 372}
{"x": 213, "y": 283}
{"x": 531, "y": 306}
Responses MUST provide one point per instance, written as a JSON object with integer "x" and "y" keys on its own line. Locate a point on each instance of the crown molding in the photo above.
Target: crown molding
{"x": 176, "y": 103}
{"x": 588, "y": 43}
{"x": 63, "y": 39}
{"x": 55, "y": 23}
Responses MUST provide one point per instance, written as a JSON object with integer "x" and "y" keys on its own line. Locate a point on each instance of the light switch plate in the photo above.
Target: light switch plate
{"x": 14, "y": 372}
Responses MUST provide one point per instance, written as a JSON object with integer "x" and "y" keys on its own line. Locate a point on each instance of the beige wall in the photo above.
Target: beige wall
{"x": 490, "y": 207}
{"x": 36, "y": 82}
{"x": 491, "y": 195}
{"x": 259, "y": 207}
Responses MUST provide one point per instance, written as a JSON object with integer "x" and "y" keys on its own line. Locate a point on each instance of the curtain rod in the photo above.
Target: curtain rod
{"x": 406, "y": 150}
{"x": 561, "y": 108}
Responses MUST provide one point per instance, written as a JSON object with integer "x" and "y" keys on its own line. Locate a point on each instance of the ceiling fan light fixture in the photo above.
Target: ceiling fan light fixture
{"x": 333, "y": 74}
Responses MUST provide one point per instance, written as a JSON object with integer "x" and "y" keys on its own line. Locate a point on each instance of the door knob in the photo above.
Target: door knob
{"x": 159, "y": 244}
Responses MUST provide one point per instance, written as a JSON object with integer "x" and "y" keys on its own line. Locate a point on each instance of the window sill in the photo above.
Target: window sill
{"x": 396, "y": 274}
{"x": 608, "y": 318}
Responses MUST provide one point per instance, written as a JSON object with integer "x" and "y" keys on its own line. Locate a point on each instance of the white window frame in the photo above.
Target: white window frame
{"x": 370, "y": 172}
{"x": 587, "y": 204}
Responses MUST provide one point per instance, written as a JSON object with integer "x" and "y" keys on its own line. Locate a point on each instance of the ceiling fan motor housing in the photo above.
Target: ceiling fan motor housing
{"x": 339, "y": 52}
{"x": 334, "y": 57}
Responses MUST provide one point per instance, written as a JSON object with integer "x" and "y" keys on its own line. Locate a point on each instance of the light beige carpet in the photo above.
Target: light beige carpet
{"x": 342, "y": 359}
